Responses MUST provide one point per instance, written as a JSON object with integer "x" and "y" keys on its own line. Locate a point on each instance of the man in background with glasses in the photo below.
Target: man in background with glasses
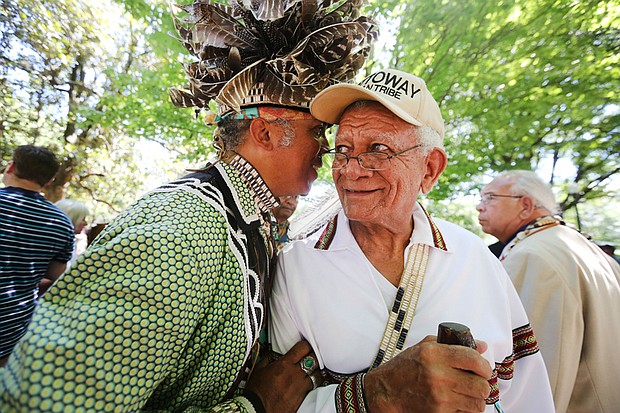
{"x": 568, "y": 287}
{"x": 353, "y": 288}
{"x": 282, "y": 213}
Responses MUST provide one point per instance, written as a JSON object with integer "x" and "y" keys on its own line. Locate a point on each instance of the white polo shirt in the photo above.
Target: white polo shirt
{"x": 326, "y": 291}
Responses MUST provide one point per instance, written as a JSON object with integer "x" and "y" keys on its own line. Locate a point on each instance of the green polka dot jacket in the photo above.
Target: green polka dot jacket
{"x": 159, "y": 314}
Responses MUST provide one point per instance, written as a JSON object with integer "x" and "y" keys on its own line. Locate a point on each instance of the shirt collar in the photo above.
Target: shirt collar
{"x": 24, "y": 192}
{"x": 537, "y": 223}
{"x": 425, "y": 232}
{"x": 264, "y": 198}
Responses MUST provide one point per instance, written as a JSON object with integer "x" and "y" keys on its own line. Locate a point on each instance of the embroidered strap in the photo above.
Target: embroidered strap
{"x": 350, "y": 395}
{"x": 328, "y": 234}
{"x": 404, "y": 305}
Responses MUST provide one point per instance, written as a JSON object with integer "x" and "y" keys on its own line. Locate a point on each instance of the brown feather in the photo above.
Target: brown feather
{"x": 239, "y": 86}
{"x": 269, "y": 51}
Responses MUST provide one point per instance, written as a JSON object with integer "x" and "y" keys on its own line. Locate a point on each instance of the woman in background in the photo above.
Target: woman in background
{"x": 77, "y": 213}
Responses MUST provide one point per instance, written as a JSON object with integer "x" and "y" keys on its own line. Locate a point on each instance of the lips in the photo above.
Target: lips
{"x": 359, "y": 189}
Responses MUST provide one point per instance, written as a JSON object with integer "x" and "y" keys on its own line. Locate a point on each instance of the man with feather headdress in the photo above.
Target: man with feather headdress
{"x": 165, "y": 309}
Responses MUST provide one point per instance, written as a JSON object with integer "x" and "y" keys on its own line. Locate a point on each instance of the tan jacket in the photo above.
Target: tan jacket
{"x": 570, "y": 290}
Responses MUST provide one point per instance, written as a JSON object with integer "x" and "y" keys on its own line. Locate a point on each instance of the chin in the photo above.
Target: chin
{"x": 308, "y": 186}
{"x": 299, "y": 190}
{"x": 356, "y": 212}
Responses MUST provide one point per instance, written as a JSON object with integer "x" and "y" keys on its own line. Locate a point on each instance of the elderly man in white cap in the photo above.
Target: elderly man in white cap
{"x": 369, "y": 290}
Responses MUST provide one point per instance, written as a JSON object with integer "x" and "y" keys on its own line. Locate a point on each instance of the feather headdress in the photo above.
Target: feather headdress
{"x": 278, "y": 52}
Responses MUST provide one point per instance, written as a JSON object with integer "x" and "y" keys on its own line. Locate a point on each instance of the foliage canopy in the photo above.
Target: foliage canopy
{"x": 522, "y": 84}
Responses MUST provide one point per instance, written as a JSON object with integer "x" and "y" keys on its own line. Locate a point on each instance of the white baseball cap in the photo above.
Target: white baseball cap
{"x": 403, "y": 94}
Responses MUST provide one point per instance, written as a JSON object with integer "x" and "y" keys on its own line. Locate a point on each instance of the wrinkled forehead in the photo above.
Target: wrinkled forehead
{"x": 373, "y": 119}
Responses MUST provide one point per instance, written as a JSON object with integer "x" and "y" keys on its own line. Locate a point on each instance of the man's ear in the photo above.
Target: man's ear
{"x": 260, "y": 134}
{"x": 11, "y": 168}
{"x": 436, "y": 162}
{"x": 529, "y": 206}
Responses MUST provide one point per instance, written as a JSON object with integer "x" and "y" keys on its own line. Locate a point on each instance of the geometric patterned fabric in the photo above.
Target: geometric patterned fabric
{"x": 160, "y": 313}
{"x": 350, "y": 395}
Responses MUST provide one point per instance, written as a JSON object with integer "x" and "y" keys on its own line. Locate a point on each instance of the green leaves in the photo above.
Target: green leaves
{"x": 519, "y": 83}
{"x": 522, "y": 84}
{"x": 89, "y": 79}
{"x": 516, "y": 80}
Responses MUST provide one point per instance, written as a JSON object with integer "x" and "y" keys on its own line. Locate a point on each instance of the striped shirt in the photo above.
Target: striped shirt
{"x": 33, "y": 232}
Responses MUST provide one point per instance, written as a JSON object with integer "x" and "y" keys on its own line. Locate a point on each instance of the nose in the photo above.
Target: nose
{"x": 353, "y": 169}
{"x": 480, "y": 206}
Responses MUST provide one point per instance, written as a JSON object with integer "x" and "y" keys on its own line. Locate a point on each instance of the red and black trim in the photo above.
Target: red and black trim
{"x": 523, "y": 344}
{"x": 328, "y": 234}
{"x": 350, "y": 395}
{"x": 437, "y": 237}
{"x": 494, "y": 388}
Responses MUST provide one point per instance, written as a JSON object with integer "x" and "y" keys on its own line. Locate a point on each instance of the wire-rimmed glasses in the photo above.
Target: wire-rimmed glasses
{"x": 490, "y": 197}
{"x": 372, "y": 161}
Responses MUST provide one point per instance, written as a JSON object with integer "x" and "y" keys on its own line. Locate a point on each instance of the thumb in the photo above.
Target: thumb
{"x": 481, "y": 346}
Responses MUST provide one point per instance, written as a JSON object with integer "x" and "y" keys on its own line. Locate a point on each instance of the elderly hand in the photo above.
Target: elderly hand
{"x": 282, "y": 384}
{"x": 430, "y": 377}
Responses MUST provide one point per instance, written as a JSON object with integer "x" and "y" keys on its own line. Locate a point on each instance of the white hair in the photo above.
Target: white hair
{"x": 76, "y": 211}
{"x": 288, "y": 132}
{"x": 429, "y": 138}
{"x": 528, "y": 183}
